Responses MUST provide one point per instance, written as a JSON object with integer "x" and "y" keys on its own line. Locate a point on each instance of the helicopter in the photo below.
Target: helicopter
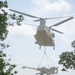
{"x": 44, "y": 36}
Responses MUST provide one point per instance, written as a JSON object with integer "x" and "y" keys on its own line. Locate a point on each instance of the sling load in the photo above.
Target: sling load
{"x": 44, "y": 70}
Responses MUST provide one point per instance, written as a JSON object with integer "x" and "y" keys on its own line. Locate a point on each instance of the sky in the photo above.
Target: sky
{"x": 23, "y": 50}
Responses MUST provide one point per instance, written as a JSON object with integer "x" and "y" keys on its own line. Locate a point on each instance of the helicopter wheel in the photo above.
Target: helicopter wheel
{"x": 35, "y": 42}
{"x": 40, "y": 47}
{"x": 54, "y": 48}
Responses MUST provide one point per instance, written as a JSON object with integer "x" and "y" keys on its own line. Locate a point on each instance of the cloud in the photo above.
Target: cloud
{"x": 42, "y": 8}
{"x": 23, "y": 30}
{"x": 47, "y": 8}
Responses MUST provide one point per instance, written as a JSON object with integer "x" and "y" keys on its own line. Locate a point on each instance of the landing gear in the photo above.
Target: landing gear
{"x": 36, "y": 42}
{"x": 53, "y": 47}
{"x": 40, "y": 47}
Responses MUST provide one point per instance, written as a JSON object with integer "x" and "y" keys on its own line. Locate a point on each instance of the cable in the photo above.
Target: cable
{"x": 48, "y": 62}
{"x": 47, "y": 57}
{"x": 41, "y": 60}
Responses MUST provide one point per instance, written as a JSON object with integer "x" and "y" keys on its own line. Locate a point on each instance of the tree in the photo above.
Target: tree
{"x": 5, "y": 67}
{"x": 67, "y": 59}
{"x": 6, "y": 19}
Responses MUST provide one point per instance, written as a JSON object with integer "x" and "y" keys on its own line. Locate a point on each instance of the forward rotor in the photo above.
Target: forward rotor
{"x": 40, "y": 19}
{"x": 23, "y": 13}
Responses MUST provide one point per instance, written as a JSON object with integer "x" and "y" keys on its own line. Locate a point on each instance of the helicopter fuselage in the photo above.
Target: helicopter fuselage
{"x": 44, "y": 36}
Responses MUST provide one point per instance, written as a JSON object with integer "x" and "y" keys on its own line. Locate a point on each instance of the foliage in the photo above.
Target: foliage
{"x": 6, "y": 19}
{"x": 67, "y": 59}
{"x": 5, "y": 67}
{"x": 73, "y": 44}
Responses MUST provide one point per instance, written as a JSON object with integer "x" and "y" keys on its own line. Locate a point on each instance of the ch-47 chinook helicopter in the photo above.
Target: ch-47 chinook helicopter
{"x": 43, "y": 36}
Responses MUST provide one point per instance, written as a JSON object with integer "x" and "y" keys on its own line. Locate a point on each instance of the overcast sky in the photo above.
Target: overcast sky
{"x": 23, "y": 50}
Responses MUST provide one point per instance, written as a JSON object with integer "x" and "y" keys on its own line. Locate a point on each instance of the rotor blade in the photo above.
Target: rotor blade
{"x": 36, "y": 20}
{"x": 56, "y": 30}
{"x": 23, "y": 13}
{"x": 52, "y": 18}
{"x": 57, "y": 17}
{"x": 62, "y": 22}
